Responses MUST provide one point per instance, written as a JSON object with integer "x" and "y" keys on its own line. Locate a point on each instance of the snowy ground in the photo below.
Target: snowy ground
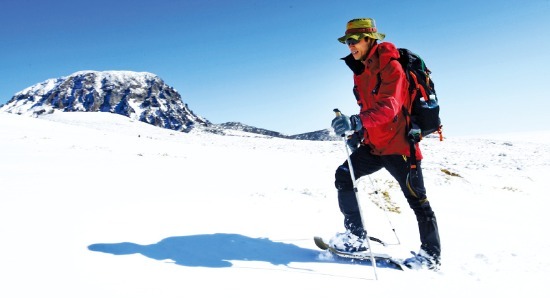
{"x": 97, "y": 205}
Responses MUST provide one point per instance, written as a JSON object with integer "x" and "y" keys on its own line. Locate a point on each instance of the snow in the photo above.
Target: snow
{"x": 41, "y": 88}
{"x": 99, "y": 205}
{"x": 118, "y": 75}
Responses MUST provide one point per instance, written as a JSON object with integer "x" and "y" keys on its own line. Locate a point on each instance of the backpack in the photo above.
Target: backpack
{"x": 424, "y": 109}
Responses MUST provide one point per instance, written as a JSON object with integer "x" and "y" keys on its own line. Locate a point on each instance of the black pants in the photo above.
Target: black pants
{"x": 365, "y": 163}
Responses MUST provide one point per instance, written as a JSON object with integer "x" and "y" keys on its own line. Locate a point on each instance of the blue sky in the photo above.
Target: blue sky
{"x": 275, "y": 64}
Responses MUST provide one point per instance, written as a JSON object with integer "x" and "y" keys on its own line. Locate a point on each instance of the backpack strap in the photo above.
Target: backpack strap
{"x": 413, "y": 163}
{"x": 414, "y": 88}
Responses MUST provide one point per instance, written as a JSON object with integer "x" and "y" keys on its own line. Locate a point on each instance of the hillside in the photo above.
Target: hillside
{"x": 100, "y": 205}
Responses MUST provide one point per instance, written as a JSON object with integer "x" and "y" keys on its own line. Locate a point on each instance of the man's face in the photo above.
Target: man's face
{"x": 359, "y": 49}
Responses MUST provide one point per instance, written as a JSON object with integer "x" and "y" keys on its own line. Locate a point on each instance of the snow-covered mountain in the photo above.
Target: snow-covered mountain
{"x": 320, "y": 135}
{"x": 247, "y": 128}
{"x": 141, "y": 96}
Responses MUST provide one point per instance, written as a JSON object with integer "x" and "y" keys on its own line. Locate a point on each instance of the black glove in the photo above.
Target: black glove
{"x": 354, "y": 140}
{"x": 355, "y": 122}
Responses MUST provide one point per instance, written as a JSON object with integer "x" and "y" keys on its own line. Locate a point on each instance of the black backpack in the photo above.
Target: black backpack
{"x": 424, "y": 111}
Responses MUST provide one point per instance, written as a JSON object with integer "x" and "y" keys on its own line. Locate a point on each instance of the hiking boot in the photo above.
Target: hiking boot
{"x": 422, "y": 260}
{"x": 348, "y": 242}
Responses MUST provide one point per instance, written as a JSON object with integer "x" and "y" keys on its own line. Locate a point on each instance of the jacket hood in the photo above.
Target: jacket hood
{"x": 387, "y": 52}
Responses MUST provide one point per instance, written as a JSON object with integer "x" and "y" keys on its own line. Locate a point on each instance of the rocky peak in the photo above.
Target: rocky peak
{"x": 139, "y": 95}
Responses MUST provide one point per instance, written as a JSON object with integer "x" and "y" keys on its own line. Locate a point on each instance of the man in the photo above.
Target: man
{"x": 381, "y": 89}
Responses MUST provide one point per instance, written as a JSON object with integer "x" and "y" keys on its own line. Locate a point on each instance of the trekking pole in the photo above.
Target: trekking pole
{"x": 348, "y": 130}
{"x": 385, "y": 210}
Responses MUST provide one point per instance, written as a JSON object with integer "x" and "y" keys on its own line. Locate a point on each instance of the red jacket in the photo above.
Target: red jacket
{"x": 381, "y": 109}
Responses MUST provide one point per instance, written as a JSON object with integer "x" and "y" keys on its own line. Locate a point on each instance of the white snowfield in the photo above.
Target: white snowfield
{"x": 98, "y": 205}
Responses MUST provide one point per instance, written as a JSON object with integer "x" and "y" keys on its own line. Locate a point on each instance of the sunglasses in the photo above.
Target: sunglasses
{"x": 351, "y": 41}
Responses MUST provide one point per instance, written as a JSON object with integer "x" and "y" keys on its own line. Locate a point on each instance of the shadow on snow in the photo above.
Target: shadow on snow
{"x": 218, "y": 250}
